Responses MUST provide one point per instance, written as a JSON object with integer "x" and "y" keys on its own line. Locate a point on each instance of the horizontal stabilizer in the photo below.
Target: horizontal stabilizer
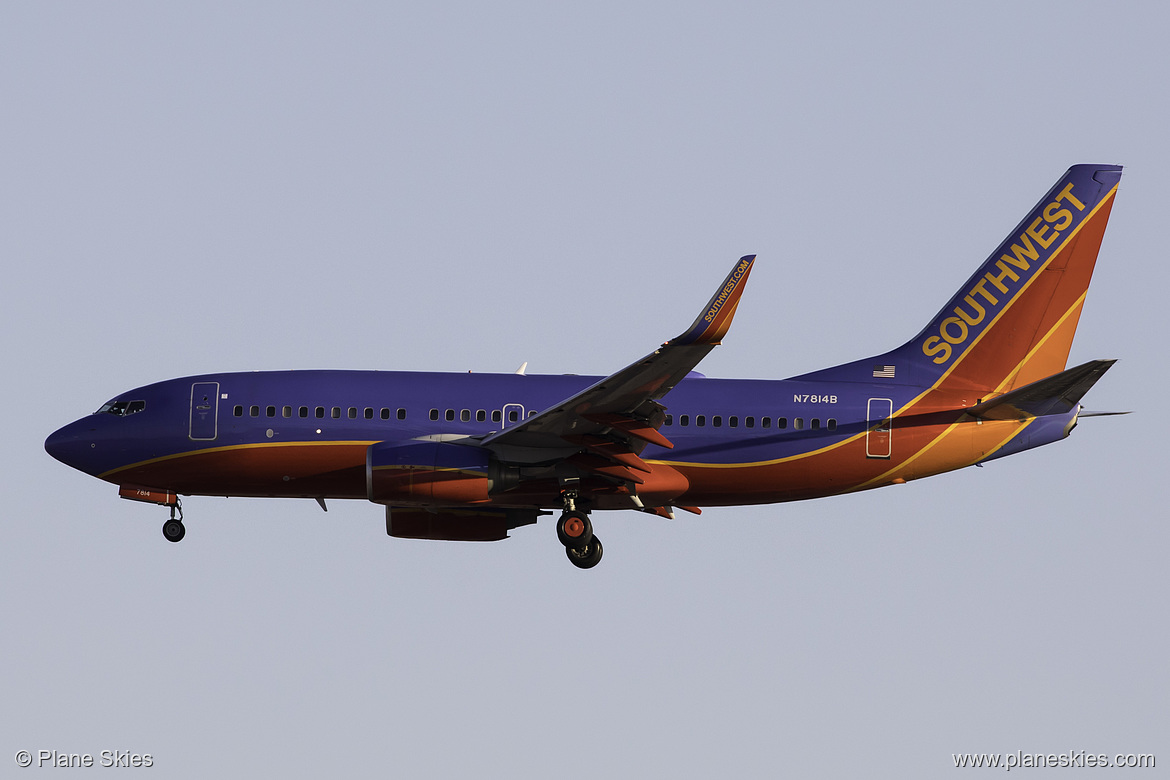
{"x": 1057, "y": 394}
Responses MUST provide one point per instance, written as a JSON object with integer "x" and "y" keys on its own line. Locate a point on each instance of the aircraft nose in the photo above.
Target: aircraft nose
{"x": 72, "y": 443}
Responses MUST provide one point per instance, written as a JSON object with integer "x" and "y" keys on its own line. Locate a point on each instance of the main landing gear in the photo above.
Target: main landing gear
{"x": 173, "y": 529}
{"x": 575, "y": 532}
{"x": 586, "y": 557}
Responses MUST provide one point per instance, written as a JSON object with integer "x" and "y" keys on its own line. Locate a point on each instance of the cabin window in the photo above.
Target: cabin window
{"x": 253, "y": 411}
{"x": 717, "y": 421}
{"x": 368, "y": 413}
{"x": 496, "y": 415}
{"x": 401, "y": 414}
{"x": 303, "y": 411}
{"x": 465, "y": 415}
{"x": 532, "y": 413}
{"x": 832, "y": 424}
{"x": 669, "y": 420}
{"x": 384, "y": 414}
{"x": 733, "y": 422}
{"x": 684, "y": 420}
{"x": 700, "y": 420}
{"x": 765, "y": 422}
{"x": 450, "y": 415}
{"x": 798, "y": 424}
{"x": 270, "y": 411}
{"x": 434, "y": 414}
{"x": 353, "y": 412}
{"x": 238, "y": 411}
{"x": 816, "y": 424}
{"x": 286, "y": 411}
{"x": 513, "y": 416}
{"x": 480, "y": 415}
{"x": 319, "y": 412}
{"x": 749, "y": 422}
{"x": 335, "y": 412}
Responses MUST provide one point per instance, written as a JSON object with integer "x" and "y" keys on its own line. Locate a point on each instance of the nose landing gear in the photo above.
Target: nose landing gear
{"x": 173, "y": 529}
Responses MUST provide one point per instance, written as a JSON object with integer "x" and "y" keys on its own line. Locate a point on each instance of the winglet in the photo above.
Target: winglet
{"x": 713, "y": 323}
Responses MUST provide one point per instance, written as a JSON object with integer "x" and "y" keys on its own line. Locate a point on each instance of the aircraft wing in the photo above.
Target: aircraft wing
{"x": 617, "y": 417}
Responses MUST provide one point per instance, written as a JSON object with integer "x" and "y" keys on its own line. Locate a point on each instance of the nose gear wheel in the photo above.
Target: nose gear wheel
{"x": 173, "y": 529}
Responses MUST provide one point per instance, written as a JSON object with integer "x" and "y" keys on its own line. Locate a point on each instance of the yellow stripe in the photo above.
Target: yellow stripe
{"x": 1019, "y": 294}
{"x": 946, "y": 373}
{"x": 228, "y": 448}
{"x": 886, "y": 476}
{"x": 775, "y": 461}
{"x": 1032, "y": 353}
{"x": 785, "y": 459}
{"x": 1009, "y": 304}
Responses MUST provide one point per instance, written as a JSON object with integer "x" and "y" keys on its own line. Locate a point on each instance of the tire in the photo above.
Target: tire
{"x": 587, "y": 557}
{"x": 574, "y": 530}
{"x": 174, "y": 530}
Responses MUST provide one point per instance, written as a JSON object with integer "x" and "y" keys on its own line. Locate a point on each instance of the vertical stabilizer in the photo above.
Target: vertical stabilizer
{"x": 1013, "y": 321}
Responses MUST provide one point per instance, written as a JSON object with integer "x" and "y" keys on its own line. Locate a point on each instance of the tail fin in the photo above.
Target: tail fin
{"x": 1012, "y": 323}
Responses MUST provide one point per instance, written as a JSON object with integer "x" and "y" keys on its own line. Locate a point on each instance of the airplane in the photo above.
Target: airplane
{"x": 470, "y": 457}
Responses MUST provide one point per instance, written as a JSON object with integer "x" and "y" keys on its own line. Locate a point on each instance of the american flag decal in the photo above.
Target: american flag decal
{"x": 884, "y": 372}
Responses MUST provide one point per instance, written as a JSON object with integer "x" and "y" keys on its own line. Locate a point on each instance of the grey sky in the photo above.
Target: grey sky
{"x": 193, "y": 188}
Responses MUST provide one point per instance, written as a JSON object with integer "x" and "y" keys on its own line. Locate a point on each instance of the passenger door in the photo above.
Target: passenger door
{"x": 204, "y": 411}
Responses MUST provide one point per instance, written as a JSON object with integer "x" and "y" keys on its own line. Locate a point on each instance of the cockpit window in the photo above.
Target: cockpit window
{"x": 122, "y": 408}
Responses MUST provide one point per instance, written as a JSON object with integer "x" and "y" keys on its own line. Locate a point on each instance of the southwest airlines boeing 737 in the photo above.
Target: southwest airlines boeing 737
{"x": 469, "y": 457}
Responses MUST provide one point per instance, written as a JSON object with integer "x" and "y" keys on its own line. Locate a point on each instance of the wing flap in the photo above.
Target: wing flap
{"x": 634, "y": 427}
{"x": 611, "y": 450}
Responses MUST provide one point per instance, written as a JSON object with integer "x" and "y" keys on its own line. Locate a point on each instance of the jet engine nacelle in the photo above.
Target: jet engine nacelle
{"x": 456, "y": 525}
{"x": 426, "y": 473}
